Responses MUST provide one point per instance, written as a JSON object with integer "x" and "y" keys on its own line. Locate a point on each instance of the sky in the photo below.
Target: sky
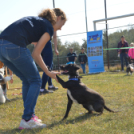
{"x": 12, "y": 10}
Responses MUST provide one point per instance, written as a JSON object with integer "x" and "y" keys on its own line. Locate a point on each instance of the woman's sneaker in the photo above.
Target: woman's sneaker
{"x": 36, "y": 118}
{"x": 33, "y": 123}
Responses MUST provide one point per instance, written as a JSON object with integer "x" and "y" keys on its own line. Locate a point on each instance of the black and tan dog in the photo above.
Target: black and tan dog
{"x": 130, "y": 69}
{"x": 78, "y": 92}
{"x": 3, "y": 89}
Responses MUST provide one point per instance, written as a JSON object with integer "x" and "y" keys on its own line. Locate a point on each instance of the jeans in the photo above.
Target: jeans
{"x": 20, "y": 61}
{"x": 83, "y": 66}
{"x": 49, "y": 62}
{"x": 123, "y": 55}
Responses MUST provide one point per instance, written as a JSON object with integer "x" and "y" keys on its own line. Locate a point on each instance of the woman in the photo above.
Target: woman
{"x": 131, "y": 53}
{"x": 15, "y": 55}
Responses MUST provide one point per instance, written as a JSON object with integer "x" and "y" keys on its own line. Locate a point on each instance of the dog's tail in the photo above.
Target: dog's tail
{"x": 108, "y": 109}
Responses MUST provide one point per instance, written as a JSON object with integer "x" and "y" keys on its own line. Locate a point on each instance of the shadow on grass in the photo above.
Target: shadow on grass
{"x": 16, "y": 131}
{"x": 35, "y": 131}
{"x": 90, "y": 74}
{"x": 11, "y": 100}
{"x": 72, "y": 121}
{"x": 128, "y": 75}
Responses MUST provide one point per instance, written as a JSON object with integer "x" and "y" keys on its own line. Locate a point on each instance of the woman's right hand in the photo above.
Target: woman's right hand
{"x": 53, "y": 74}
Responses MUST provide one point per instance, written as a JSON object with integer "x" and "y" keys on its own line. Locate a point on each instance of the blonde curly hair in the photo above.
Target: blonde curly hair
{"x": 59, "y": 12}
{"x": 51, "y": 14}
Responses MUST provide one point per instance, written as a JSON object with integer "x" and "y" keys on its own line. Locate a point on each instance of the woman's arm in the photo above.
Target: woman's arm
{"x": 55, "y": 43}
{"x": 37, "y": 55}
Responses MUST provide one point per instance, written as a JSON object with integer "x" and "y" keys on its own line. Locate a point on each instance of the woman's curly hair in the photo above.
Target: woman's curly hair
{"x": 51, "y": 14}
{"x": 59, "y": 12}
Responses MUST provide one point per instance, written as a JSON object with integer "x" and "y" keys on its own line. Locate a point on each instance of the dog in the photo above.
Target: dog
{"x": 78, "y": 92}
{"x": 130, "y": 69}
{"x": 3, "y": 89}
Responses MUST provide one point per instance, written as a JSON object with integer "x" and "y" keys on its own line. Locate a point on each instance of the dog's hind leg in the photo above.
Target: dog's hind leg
{"x": 88, "y": 108}
{"x": 70, "y": 102}
{"x": 98, "y": 107}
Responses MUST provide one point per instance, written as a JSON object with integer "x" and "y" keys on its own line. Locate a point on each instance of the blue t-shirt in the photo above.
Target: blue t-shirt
{"x": 71, "y": 56}
{"x": 27, "y": 30}
{"x": 47, "y": 48}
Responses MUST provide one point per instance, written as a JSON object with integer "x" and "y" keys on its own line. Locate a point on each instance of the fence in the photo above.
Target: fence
{"x": 63, "y": 61}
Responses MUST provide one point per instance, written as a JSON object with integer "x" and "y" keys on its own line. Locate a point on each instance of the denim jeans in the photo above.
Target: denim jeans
{"x": 20, "y": 61}
{"x": 49, "y": 62}
{"x": 123, "y": 56}
{"x": 83, "y": 66}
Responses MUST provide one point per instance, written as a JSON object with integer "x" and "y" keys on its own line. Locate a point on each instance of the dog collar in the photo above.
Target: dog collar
{"x": 74, "y": 79}
{"x": 70, "y": 63}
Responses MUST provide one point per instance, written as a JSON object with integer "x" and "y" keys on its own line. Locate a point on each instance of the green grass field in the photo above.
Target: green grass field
{"x": 116, "y": 88}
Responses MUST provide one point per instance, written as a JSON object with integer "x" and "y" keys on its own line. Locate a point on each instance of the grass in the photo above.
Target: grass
{"x": 116, "y": 88}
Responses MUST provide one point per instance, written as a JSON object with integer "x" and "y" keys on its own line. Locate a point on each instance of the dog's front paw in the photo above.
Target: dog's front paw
{"x": 90, "y": 112}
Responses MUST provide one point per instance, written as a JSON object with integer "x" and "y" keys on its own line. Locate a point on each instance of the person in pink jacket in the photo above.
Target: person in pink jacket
{"x": 131, "y": 53}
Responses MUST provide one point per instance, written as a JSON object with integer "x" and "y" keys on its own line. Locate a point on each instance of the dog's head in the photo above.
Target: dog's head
{"x": 70, "y": 69}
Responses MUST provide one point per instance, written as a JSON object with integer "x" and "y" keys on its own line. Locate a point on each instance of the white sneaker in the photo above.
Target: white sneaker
{"x": 33, "y": 123}
{"x": 36, "y": 118}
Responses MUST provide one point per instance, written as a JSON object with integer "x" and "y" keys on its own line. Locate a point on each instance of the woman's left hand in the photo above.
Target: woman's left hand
{"x": 56, "y": 52}
{"x": 53, "y": 74}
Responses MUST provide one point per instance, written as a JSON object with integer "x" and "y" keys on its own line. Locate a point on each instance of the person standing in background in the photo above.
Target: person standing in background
{"x": 131, "y": 53}
{"x": 83, "y": 59}
{"x": 49, "y": 62}
{"x": 123, "y": 53}
{"x": 71, "y": 56}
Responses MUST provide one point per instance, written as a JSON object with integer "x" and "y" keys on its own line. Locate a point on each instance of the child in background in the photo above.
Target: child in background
{"x": 131, "y": 53}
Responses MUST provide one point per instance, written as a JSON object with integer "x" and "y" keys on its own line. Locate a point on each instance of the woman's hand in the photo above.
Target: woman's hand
{"x": 53, "y": 75}
{"x": 56, "y": 52}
